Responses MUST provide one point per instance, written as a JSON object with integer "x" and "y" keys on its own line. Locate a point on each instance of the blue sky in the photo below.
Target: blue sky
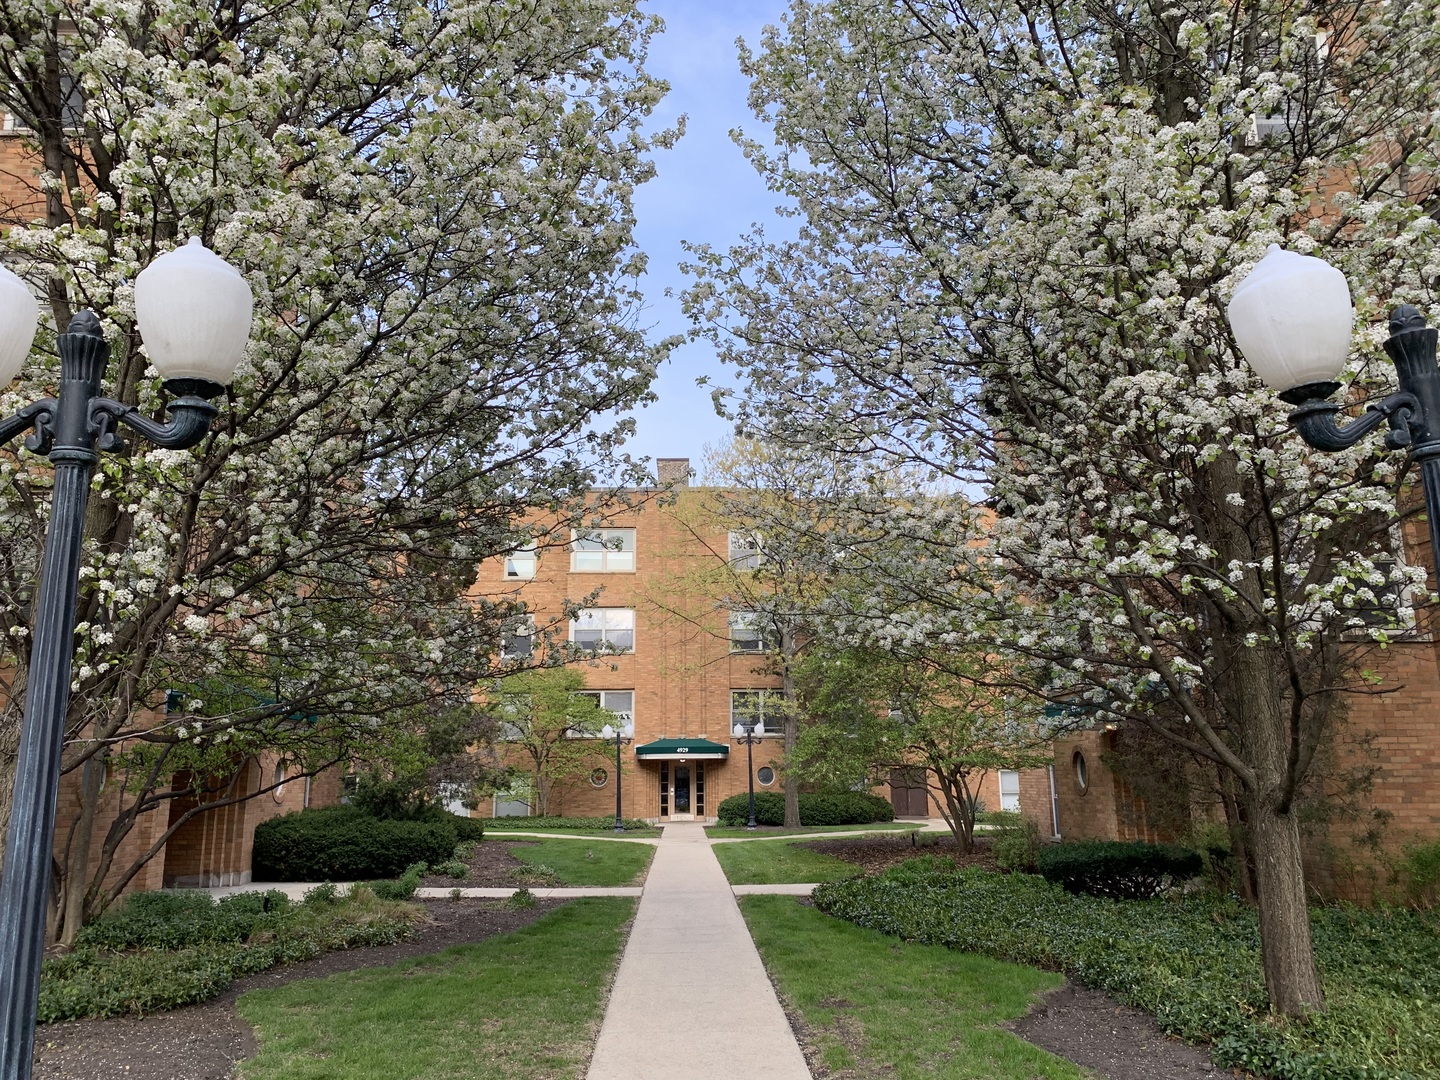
{"x": 706, "y": 192}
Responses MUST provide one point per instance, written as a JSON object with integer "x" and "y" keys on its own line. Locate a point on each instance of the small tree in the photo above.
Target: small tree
{"x": 873, "y": 712}
{"x": 543, "y": 714}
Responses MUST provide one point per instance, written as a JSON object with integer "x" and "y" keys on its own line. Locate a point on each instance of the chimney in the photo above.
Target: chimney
{"x": 673, "y": 471}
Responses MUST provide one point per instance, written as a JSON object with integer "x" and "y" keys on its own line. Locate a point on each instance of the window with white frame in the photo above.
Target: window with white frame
{"x": 512, "y": 718}
{"x": 1380, "y": 604}
{"x": 619, "y": 702}
{"x": 744, "y": 550}
{"x": 518, "y": 642}
{"x": 1009, "y": 789}
{"x": 609, "y": 629}
{"x": 766, "y": 706}
{"x": 520, "y": 563}
{"x": 603, "y": 551}
{"x": 747, "y": 632}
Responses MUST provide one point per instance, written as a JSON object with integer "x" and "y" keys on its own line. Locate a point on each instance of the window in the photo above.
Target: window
{"x": 1082, "y": 774}
{"x": 520, "y": 563}
{"x": 609, "y": 628}
{"x": 747, "y": 633}
{"x": 745, "y": 551}
{"x": 511, "y": 716}
{"x": 603, "y": 551}
{"x": 1009, "y": 789}
{"x": 767, "y": 706}
{"x": 277, "y": 778}
{"x": 619, "y": 702}
{"x": 766, "y": 775}
{"x": 599, "y": 778}
{"x": 1378, "y": 606}
{"x": 518, "y": 643}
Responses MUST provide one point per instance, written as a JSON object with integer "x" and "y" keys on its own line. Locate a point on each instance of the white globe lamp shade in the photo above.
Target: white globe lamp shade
{"x": 19, "y": 313}
{"x": 194, "y": 313}
{"x": 739, "y": 731}
{"x": 759, "y": 727}
{"x": 607, "y": 732}
{"x": 628, "y": 731}
{"x": 1292, "y": 318}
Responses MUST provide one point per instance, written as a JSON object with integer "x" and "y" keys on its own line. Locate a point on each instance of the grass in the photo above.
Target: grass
{"x": 775, "y": 862}
{"x": 521, "y": 1006}
{"x": 726, "y": 832}
{"x": 877, "y": 1007}
{"x": 581, "y": 862}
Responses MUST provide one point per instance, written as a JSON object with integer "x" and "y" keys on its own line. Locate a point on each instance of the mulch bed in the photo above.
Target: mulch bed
{"x": 491, "y": 867}
{"x": 878, "y": 852}
{"x": 203, "y": 1042}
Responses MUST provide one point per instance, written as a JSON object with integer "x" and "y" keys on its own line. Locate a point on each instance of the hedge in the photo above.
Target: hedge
{"x": 340, "y": 843}
{"x": 1121, "y": 870}
{"x": 1193, "y": 961}
{"x": 821, "y": 808}
{"x": 574, "y": 824}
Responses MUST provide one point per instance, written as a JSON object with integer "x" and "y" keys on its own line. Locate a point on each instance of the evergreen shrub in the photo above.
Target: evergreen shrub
{"x": 571, "y": 824}
{"x": 341, "y": 843}
{"x": 817, "y": 808}
{"x": 1119, "y": 869}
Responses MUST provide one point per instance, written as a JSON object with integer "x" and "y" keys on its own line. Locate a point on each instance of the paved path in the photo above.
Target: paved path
{"x": 691, "y": 1000}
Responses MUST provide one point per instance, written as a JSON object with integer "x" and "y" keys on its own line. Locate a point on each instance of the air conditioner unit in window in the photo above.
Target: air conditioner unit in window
{"x": 1265, "y": 128}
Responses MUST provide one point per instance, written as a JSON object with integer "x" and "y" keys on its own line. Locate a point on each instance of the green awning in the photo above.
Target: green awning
{"x": 682, "y": 750}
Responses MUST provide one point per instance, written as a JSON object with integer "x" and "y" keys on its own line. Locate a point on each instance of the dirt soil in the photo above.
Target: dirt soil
{"x": 1116, "y": 1041}
{"x": 877, "y": 852}
{"x": 203, "y": 1042}
{"x": 491, "y": 867}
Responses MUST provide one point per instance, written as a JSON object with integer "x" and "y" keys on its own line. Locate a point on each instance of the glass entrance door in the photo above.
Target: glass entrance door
{"x": 680, "y": 790}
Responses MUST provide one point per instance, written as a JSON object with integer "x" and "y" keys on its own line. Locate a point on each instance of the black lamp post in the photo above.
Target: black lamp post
{"x": 187, "y": 301}
{"x": 747, "y": 733}
{"x": 623, "y": 736}
{"x": 1292, "y": 318}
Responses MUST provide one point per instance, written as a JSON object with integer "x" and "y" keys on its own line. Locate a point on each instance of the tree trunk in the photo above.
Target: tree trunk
{"x": 792, "y": 729}
{"x": 10, "y": 751}
{"x": 1291, "y": 978}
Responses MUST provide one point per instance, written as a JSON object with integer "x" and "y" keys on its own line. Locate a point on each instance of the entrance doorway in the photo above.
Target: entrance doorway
{"x": 682, "y": 809}
{"x": 908, "y": 794}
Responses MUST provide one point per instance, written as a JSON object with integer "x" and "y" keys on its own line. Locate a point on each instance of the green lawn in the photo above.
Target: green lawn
{"x": 726, "y": 832}
{"x": 876, "y": 1007}
{"x": 775, "y": 862}
{"x": 522, "y": 1006}
{"x": 582, "y": 862}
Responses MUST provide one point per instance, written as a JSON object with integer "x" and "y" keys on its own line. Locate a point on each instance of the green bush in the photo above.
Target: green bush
{"x": 1016, "y": 846}
{"x": 96, "y": 980}
{"x": 573, "y": 824}
{"x": 341, "y": 843}
{"x": 174, "y": 920}
{"x": 816, "y": 809}
{"x": 1193, "y": 961}
{"x": 1119, "y": 869}
{"x": 402, "y": 887}
{"x": 455, "y": 868}
{"x": 1417, "y": 874}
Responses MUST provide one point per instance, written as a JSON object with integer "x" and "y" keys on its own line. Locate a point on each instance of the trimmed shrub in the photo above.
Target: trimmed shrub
{"x": 1192, "y": 961}
{"x": 175, "y": 920}
{"x": 816, "y": 808}
{"x": 573, "y": 824}
{"x": 1120, "y": 870}
{"x": 341, "y": 843}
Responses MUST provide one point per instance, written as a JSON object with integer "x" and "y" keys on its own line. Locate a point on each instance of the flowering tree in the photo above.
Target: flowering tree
{"x": 1021, "y": 223}
{"x": 432, "y": 204}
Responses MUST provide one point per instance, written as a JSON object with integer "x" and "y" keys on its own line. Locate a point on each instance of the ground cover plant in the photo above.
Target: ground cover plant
{"x": 634, "y": 826}
{"x": 1121, "y": 870}
{"x": 777, "y": 862}
{"x": 828, "y": 808}
{"x": 1193, "y": 961}
{"x": 902, "y": 1012}
{"x": 740, "y": 832}
{"x": 580, "y": 862}
{"x": 516, "y": 1007}
{"x": 161, "y": 950}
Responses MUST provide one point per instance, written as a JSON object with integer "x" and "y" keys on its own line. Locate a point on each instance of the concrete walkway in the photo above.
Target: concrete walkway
{"x": 691, "y": 1000}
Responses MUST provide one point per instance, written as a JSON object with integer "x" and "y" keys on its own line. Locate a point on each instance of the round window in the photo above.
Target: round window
{"x": 1082, "y": 775}
{"x": 765, "y": 775}
{"x": 277, "y": 778}
{"x": 599, "y": 777}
